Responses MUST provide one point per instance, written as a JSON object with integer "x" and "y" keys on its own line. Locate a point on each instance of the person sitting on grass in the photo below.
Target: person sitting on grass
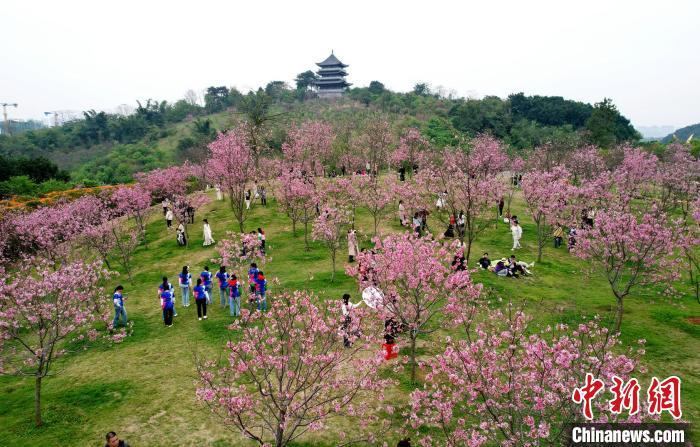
{"x": 519, "y": 267}
{"x": 114, "y": 441}
{"x": 484, "y": 261}
{"x": 501, "y": 269}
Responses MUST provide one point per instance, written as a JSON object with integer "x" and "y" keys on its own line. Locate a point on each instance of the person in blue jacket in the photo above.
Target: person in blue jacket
{"x": 119, "y": 309}
{"x": 200, "y": 298}
{"x": 185, "y": 278}
{"x": 206, "y": 282}
{"x": 165, "y": 285}
{"x": 234, "y": 299}
{"x": 222, "y": 276}
{"x": 167, "y": 304}
{"x": 260, "y": 291}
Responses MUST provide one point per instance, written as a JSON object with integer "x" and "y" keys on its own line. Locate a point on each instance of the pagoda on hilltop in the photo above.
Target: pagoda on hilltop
{"x": 331, "y": 78}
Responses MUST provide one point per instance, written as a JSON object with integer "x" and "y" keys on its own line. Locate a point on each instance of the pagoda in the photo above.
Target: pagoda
{"x": 331, "y": 78}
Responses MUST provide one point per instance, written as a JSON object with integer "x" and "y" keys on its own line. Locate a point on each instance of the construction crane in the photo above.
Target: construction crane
{"x": 61, "y": 116}
{"x": 5, "y": 105}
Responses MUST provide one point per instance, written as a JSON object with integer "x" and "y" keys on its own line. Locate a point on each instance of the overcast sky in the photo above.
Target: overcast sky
{"x": 78, "y": 55}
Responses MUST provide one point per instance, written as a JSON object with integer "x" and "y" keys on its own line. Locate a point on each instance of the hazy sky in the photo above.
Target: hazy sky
{"x": 77, "y": 55}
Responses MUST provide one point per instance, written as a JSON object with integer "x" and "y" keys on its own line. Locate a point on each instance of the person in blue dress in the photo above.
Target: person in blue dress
{"x": 222, "y": 277}
{"x": 167, "y": 304}
{"x": 206, "y": 282}
{"x": 200, "y": 298}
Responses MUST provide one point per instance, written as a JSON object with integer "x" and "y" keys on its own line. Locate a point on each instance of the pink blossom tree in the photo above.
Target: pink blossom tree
{"x": 238, "y": 249}
{"x": 134, "y": 202}
{"x": 546, "y": 194}
{"x": 469, "y": 176}
{"x": 585, "y": 163}
{"x": 290, "y": 373}
{"x": 629, "y": 252}
{"x": 375, "y": 195}
{"x": 41, "y": 309}
{"x": 374, "y": 144}
{"x": 233, "y": 165}
{"x": 297, "y": 196}
{"x": 166, "y": 183}
{"x": 417, "y": 281}
{"x": 504, "y": 383}
{"x": 636, "y": 176}
{"x": 309, "y": 147}
{"x": 412, "y": 147}
{"x": 328, "y": 228}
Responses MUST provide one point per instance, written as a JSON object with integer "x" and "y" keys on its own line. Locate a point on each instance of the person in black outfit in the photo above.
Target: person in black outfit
{"x": 114, "y": 441}
{"x": 501, "y": 204}
{"x": 402, "y": 174}
{"x": 485, "y": 262}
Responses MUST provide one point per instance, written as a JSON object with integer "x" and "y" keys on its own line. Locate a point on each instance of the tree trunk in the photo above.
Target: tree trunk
{"x": 306, "y": 235}
{"x": 413, "y": 356}
{"x": 333, "y": 266}
{"x": 294, "y": 228}
{"x": 618, "y": 316}
{"x": 468, "y": 252}
{"x": 375, "y": 224}
{"x": 539, "y": 243}
{"x": 37, "y": 402}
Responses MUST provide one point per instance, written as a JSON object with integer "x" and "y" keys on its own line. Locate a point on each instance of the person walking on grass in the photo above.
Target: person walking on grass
{"x": 247, "y": 199}
{"x": 162, "y": 287}
{"x": 119, "y": 309}
{"x": 167, "y": 303}
{"x": 206, "y": 229}
{"x": 185, "y": 278}
{"x": 263, "y": 196}
{"x": 347, "y": 308}
{"x": 517, "y": 232}
{"x": 261, "y": 238}
{"x": 222, "y": 277}
{"x": 353, "y": 247}
{"x": 260, "y": 291}
{"x": 206, "y": 282}
{"x": 169, "y": 218}
{"x": 200, "y": 298}
{"x": 234, "y": 299}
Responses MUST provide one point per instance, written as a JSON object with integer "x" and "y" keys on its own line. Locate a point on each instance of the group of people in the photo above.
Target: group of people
{"x": 257, "y": 193}
{"x": 230, "y": 292}
{"x": 506, "y": 267}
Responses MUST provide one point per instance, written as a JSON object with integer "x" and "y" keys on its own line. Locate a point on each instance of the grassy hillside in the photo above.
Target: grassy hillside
{"x": 144, "y": 387}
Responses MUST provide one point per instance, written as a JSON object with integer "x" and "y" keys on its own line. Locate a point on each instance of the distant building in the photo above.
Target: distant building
{"x": 331, "y": 78}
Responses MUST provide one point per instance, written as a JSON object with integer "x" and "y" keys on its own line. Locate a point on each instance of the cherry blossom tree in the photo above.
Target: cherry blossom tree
{"x": 509, "y": 384}
{"x": 375, "y": 195}
{"x": 328, "y": 228}
{"x": 630, "y": 252}
{"x": 166, "y": 183}
{"x": 309, "y": 147}
{"x": 238, "y": 250}
{"x": 679, "y": 179}
{"x": 297, "y": 197}
{"x": 469, "y": 176}
{"x": 134, "y": 202}
{"x": 233, "y": 166}
{"x": 636, "y": 176}
{"x": 290, "y": 373}
{"x": 690, "y": 243}
{"x": 417, "y": 281}
{"x": 41, "y": 309}
{"x": 374, "y": 144}
{"x": 585, "y": 163}
{"x": 412, "y": 147}
{"x": 546, "y": 194}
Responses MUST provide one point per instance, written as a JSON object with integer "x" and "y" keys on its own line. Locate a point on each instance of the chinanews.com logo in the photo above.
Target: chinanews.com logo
{"x": 662, "y": 396}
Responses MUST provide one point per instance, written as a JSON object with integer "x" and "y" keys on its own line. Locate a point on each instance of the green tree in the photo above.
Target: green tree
{"x": 376, "y": 88}
{"x": 601, "y": 124}
{"x": 305, "y": 80}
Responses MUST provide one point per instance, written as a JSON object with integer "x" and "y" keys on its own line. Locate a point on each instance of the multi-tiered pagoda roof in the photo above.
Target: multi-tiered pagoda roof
{"x": 331, "y": 81}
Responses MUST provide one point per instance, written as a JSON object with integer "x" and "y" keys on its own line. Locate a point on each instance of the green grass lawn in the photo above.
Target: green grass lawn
{"x": 144, "y": 387}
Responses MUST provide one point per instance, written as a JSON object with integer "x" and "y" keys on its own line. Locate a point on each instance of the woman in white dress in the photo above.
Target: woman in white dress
{"x": 402, "y": 213}
{"x": 219, "y": 194}
{"x": 208, "y": 239}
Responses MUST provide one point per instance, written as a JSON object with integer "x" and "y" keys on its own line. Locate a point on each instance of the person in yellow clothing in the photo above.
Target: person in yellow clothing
{"x": 558, "y": 234}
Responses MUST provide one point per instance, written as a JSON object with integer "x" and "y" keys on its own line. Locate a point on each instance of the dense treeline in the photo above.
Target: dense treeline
{"x": 109, "y": 147}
